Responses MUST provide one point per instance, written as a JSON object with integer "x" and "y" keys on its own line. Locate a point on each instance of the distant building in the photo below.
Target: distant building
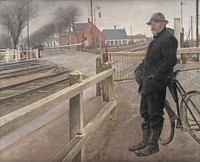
{"x": 86, "y": 33}
{"x": 115, "y": 37}
{"x": 137, "y": 38}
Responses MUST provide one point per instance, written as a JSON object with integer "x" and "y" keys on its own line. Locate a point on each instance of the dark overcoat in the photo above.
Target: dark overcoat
{"x": 158, "y": 64}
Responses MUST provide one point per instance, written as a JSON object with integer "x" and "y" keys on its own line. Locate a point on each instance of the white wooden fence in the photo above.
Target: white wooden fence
{"x": 9, "y": 55}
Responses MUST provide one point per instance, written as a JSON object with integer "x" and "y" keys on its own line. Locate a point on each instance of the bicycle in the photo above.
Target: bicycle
{"x": 187, "y": 115}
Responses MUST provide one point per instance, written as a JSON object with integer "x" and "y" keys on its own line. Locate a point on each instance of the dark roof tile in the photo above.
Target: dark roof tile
{"x": 112, "y": 34}
{"x": 80, "y": 26}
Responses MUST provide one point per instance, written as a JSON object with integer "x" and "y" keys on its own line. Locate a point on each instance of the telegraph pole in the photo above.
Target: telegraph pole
{"x": 91, "y": 10}
{"x": 93, "y": 29}
{"x": 182, "y": 30}
{"x": 197, "y": 23}
{"x": 191, "y": 38}
{"x": 28, "y": 53}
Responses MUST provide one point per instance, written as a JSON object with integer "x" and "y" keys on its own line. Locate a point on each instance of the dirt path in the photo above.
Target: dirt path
{"x": 126, "y": 131}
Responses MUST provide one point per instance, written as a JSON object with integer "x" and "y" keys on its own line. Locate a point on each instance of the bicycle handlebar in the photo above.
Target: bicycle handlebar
{"x": 175, "y": 73}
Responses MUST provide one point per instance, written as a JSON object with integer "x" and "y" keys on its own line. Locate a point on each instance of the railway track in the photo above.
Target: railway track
{"x": 7, "y": 66}
{"x": 21, "y": 92}
{"x": 19, "y": 69}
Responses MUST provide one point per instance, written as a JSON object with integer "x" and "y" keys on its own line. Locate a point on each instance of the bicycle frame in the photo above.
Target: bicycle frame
{"x": 184, "y": 107}
{"x": 175, "y": 87}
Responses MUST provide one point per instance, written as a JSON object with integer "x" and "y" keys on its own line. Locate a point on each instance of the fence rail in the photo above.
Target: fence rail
{"x": 56, "y": 50}
{"x": 74, "y": 93}
{"x": 126, "y": 62}
{"x": 9, "y": 55}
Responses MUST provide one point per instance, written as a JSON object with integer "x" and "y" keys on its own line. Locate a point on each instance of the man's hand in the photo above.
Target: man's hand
{"x": 151, "y": 77}
{"x": 138, "y": 77}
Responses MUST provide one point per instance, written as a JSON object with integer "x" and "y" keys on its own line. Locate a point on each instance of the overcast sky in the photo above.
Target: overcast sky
{"x": 122, "y": 13}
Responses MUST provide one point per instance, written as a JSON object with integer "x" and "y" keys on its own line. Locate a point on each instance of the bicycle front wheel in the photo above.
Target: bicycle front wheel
{"x": 190, "y": 106}
{"x": 168, "y": 127}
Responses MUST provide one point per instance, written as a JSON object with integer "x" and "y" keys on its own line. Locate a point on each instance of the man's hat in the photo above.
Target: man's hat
{"x": 157, "y": 17}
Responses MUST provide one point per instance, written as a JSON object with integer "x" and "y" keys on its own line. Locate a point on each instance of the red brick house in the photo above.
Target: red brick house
{"x": 86, "y": 33}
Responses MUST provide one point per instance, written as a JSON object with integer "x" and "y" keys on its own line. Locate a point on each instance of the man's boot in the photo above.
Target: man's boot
{"x": 152, "y": 146}
{"x": 143, "y": 144}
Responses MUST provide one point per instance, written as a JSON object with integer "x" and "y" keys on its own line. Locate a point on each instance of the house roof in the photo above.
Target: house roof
{"x": 112, "y": 34}
{"x": 80, "y": 26}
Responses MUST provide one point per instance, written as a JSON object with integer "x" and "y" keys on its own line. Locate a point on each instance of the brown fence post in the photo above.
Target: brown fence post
{"x": 76, "y": 114}
{"x": 98, "y": 70}
{"x": 109, "y": 90}
{"x": 103, "y": 86}
{"x": 183, "y": 58}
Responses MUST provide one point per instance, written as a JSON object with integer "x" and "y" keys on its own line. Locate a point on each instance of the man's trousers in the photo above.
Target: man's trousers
{"x": 151, "y": 109}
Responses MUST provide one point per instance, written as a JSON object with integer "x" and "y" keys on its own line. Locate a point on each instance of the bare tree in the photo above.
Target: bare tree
{"x": 14, "y": 18}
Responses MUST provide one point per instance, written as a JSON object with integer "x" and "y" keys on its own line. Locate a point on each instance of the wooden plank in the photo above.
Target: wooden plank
{"x": 98, "y": 70}
{"x": 75, "y": 106}
{"x": 70, "y": 150}
{"x": 90, "y": 128}
{"x": 136, "y": 53}
{"x": 76, "y": 112}
{"x": 15, "y": 119}
{"x": 61, "y": 155}
{"x": 191, "y": 50}
{"x": 108, "y": 86}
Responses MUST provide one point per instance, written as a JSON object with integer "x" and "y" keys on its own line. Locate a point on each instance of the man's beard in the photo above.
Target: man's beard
{"x": 154, "y": 32}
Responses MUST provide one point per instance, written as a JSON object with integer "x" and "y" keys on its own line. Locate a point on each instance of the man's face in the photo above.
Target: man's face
{"x": 157, "y": 27}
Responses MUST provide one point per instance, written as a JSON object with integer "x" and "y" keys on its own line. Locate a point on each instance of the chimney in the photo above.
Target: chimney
{"x": 115, "y": 27}
{"x": 88, "y": 20}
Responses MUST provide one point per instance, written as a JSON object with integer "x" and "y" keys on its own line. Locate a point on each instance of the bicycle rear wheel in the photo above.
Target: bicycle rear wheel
{"x": 190, "y": 107}
{"x": 168, "y": 127}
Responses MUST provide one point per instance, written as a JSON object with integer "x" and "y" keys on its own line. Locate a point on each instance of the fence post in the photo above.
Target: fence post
{"x": 109, "y": 90}
{"x": 7, "y": 55}
{"x": 98, "y": 70}
{"x": 27, "y": 54}
{"x": 16, "y": 54}
{"x": 20, "y": 53}
{"x": 76, "y": 114}
{"x": 37, "y": 53}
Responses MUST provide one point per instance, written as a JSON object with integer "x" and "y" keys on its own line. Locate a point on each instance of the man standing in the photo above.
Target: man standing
{"x": 152, "y": 76}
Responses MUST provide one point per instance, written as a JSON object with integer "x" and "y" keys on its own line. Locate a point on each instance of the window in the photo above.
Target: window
{"x": 124, "y": 42}
{"x": 97, "y": 41}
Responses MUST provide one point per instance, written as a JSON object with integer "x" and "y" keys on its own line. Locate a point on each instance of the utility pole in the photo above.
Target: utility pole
{"x": 182, "y": 30}
{"x": 191, "y": 39}
{"x": 93, "y": 29}
{"x": 197, "y": 23}
{"x": 28, "y": 53}
{"x": 131, "y": 34}
{"x": 91, "y": 10}
{"x": 93, "y": 34}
